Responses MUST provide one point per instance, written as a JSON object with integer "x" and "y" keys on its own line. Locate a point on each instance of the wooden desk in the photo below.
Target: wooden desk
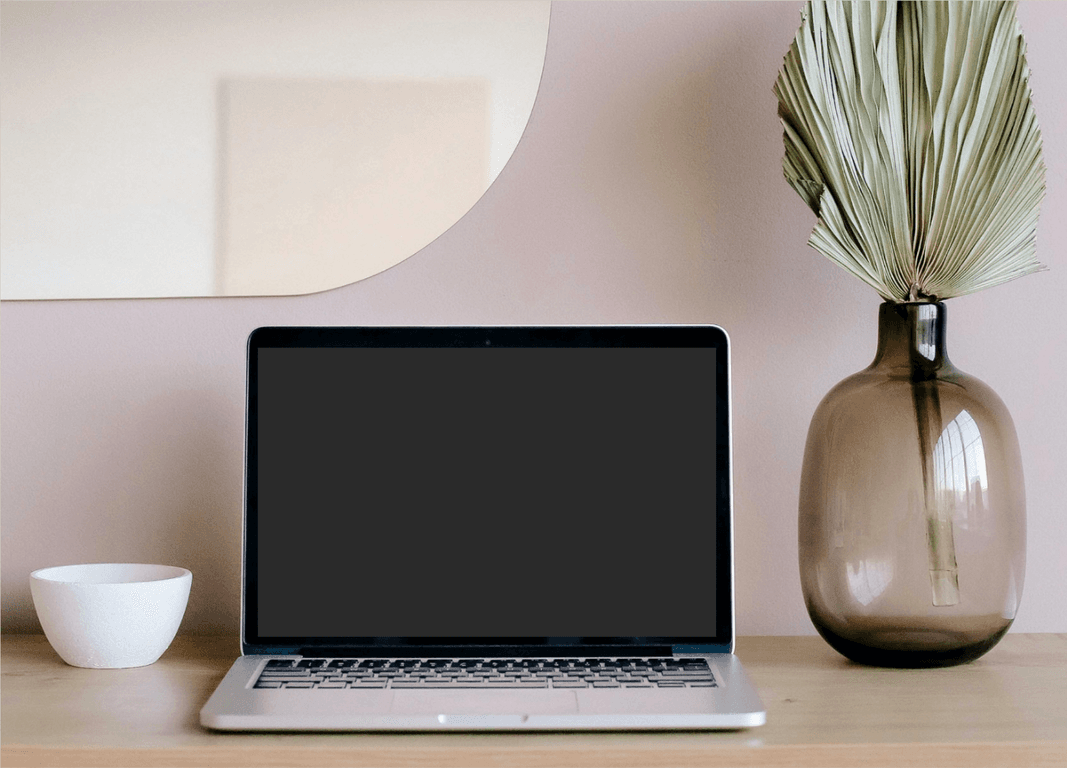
{"x": 1008, "y": 708}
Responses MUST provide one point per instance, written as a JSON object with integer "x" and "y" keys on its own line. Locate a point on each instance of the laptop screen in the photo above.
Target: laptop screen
{"x": 487, "y": 486}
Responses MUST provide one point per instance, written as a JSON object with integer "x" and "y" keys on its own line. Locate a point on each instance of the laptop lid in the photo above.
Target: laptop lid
{"x": 512, "y": 490}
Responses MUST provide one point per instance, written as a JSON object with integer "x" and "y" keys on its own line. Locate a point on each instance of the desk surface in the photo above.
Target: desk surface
{"x": 1007, "y": 708}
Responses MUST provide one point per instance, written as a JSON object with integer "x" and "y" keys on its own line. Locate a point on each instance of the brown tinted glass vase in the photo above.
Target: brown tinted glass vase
{"x": 912, "y": 506}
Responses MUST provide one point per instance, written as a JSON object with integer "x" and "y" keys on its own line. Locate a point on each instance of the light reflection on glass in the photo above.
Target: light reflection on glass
{"x": 926, "y": 330}
{"x": 960, "y": 477}
{"x": 868, "y": 579}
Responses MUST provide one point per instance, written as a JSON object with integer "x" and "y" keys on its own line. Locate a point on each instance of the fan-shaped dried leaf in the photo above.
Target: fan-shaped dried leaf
{"x": 909, "y": 130}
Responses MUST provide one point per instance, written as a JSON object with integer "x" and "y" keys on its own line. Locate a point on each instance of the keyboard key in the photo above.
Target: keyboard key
{"x": 523, "y": 684}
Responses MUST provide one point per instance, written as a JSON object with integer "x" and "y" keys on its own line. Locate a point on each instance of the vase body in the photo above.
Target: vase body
{"x": 912, "y": 515}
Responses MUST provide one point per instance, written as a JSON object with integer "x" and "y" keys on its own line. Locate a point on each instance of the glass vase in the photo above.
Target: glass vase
{"x": 912, "y": 506}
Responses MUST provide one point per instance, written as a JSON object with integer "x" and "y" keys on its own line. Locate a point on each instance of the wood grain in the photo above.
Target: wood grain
{"x": 1008, "y": 708}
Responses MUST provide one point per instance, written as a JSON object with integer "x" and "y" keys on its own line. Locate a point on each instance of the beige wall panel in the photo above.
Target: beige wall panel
{"x": 328, "y": 182}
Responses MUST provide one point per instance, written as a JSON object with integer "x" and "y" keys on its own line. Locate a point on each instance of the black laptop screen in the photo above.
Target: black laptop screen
{"x": 489, "y": 485}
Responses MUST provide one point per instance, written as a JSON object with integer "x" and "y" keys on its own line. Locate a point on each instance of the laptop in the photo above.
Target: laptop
{"x": 496, "y": 528}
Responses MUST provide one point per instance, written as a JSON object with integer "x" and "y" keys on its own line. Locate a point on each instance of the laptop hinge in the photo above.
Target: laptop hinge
{"x": 441, "y": 651}
{"x": 710, "y": 648}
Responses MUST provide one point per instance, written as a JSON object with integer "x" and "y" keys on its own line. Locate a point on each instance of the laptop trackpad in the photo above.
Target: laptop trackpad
{"x": 483, "y": 702}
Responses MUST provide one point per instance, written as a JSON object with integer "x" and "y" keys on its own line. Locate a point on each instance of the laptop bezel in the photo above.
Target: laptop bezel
{"x": 710, "y": 336}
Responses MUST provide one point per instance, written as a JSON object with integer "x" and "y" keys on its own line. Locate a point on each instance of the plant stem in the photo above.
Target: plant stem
{"x": 944, "y": 574}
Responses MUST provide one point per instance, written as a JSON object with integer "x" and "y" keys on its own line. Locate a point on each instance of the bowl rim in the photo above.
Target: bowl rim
{"x": 61, "y": 574}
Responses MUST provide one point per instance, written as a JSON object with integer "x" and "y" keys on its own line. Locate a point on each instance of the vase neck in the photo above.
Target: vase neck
{"x": 912, "y": 336}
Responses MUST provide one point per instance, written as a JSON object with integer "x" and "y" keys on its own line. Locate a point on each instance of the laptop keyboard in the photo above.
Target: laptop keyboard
{"x": 486, "y": 673}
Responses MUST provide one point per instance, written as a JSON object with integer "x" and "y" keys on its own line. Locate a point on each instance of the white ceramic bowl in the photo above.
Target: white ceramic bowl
{"x": 110, "y": 615}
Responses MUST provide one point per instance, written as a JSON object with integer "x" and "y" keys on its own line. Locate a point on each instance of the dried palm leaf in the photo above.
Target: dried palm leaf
{"x": 910, "y": 131}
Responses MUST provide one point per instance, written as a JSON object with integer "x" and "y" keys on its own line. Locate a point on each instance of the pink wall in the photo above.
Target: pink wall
{"x": 647, "y": 188}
